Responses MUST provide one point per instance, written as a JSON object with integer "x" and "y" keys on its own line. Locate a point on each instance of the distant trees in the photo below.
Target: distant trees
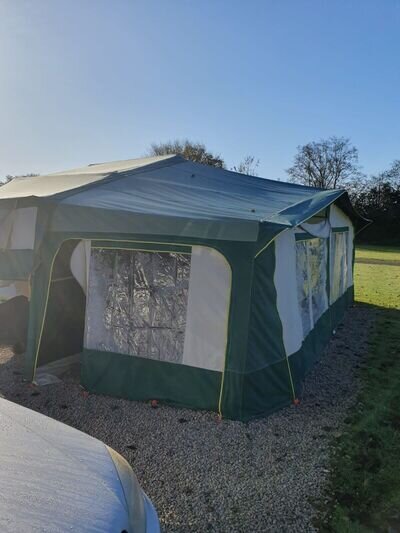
{"x": 378, "y": 198}
{"x": 197, "y": 152}
{"x": 194, "y": 151}
{"x": 333, "y": 163}
{"x": 327, "y": 164}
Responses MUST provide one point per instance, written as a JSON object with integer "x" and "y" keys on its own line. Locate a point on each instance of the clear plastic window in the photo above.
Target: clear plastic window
{"x": 338, "y": 264}
{"x": 137, "y": 303}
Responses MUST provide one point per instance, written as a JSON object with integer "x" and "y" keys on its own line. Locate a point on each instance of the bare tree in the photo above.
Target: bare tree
{"x": 249, "y": 166}
{"x": 392, "y": 175}
{"x": 10, "y": 177}
{"x": 328, "y": 164}
{"x": 194, "y": 151}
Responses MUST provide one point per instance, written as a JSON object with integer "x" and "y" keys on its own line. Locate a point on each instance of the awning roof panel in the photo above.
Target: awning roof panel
{"x": 171, "y": 186}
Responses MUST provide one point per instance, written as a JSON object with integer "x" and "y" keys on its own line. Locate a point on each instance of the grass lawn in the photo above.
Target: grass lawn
{"x": 365, "y": 484}
{"x": 378, "y": 252}
{"x": 376, "y": 283}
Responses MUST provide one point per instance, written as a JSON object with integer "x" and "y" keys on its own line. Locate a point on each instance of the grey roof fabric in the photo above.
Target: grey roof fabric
{"x": 171, "y": 186}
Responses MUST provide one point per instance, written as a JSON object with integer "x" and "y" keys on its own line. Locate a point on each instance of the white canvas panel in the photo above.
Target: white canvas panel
{"x": 80, "y": 262}
{"x": 286, "y": 287}
{"x": 320, "y": 229}
{"x": 208, "y": 310}
{"x": 23, "y": 228}
{"x": 338, "y": 218}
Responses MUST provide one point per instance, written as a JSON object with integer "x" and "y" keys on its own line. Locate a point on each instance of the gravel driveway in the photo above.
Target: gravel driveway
{"x": 207, "y": 475}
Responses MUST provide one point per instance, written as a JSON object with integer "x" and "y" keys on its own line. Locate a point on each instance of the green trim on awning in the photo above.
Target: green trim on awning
{"x": 304, "y": 236}
{"x": 72, "y": 218}
{"x": 141, "y": 246}
{"x": 341, "y": 229}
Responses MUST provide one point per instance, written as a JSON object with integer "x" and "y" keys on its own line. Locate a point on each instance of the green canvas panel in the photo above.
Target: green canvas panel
{"x": 138, "y": 378}
{"x": 70, "y": 218}
{"x": 242, "y": 263}
{"x": 266, "y": 378}
{"x": 340, "y": 230}
{"x": 304, "y": 236}
{"x": 268, "y": 389}
{"x": 265, "y": 339}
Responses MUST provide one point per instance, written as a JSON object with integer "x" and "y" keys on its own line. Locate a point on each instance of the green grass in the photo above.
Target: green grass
{"x": 365, "y": 483}
{"x": 378, "y": 285}
{"x": 378, "y": 252}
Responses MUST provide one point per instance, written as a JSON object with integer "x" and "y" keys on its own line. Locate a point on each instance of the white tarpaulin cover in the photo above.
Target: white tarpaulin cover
{"x": 55, "y": 478}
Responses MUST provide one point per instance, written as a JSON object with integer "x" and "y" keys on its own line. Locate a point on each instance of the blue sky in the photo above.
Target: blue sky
{"x": 85, "y": 81}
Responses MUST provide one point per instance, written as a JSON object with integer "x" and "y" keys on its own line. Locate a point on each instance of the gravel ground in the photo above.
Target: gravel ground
{"x": 209, "y": 475}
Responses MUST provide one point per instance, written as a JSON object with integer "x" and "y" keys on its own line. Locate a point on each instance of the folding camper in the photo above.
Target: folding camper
{"x": 177, "y": 281}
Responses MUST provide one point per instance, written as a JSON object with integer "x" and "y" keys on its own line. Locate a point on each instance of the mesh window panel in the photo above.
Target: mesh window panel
{"x": 317, "y": 258}
{"x": 311, "y": 263}
{"x": 303, "y": 292}
{"x": 137, "y": 303}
